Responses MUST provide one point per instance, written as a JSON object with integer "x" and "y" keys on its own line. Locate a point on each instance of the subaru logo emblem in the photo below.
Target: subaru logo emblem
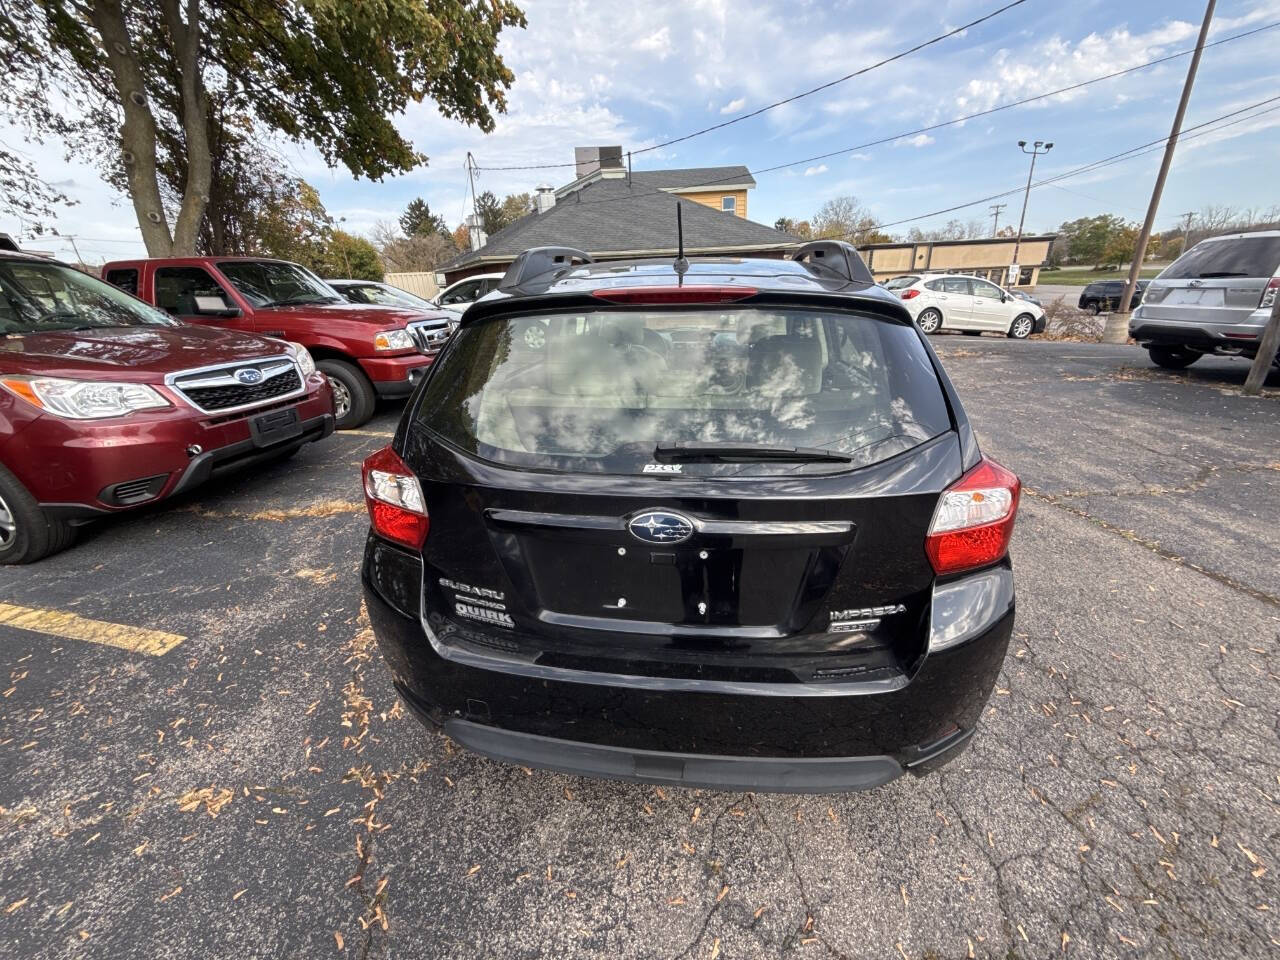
{"x": 248, "y": 376}
{"x": 659, "y": 526}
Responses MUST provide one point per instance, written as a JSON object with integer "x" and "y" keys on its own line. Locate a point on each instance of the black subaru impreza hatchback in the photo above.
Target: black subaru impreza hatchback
{"x": 719, "y": 523}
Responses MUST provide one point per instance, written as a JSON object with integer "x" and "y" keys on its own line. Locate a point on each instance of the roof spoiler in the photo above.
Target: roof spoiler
{"x": 536, "y": 261}
{"x": 837, "y": 256}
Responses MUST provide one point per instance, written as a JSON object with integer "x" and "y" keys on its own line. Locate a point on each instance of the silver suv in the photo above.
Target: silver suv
{"x": 1215, "y": 298}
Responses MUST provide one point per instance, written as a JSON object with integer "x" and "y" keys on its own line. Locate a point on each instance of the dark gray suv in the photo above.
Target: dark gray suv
{"x": 1104, "y": 295}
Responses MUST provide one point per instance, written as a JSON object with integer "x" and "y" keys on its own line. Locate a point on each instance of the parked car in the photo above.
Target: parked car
{"x": 385, "y": 295}
{"x": 969, "y": 304}
{"x": 1215, "y": 298}
{"x": 772, "y": 559}
{"x": 367, "y": 352}
{"x": 107, "y": 403}
{"x": 462, "y": 293}
{"x": 1104, "y": 295}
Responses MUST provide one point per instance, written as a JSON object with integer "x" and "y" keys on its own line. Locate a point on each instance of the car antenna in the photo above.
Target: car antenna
{"x": 682, "y": 264}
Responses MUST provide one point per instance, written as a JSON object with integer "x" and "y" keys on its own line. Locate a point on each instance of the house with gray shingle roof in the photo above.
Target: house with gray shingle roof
{"x": 613, "y": 214}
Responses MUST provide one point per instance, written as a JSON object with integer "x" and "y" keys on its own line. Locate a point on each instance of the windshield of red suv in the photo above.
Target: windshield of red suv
{"x": 270, "y": 283}
{"x": 608, "y": 391}
{"x": 37, "y": 296}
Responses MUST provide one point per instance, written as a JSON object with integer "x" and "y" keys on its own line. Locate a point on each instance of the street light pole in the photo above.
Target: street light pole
{"x": 1035, "y": 151}
{"x": 1117, "y": 328}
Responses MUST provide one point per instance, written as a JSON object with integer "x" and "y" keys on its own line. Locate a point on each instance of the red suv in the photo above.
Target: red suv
{"x": 107, "y": 403}
{"x": 366, "y": 351}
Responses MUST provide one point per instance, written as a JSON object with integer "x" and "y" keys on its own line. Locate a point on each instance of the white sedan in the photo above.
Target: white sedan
{"x": 965, "y": 303}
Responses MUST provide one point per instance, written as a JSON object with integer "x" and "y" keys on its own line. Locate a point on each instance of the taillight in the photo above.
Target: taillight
{"x": 393, "y": 495}
{"x": 693, "y": 293}
{"x": 1269, "y": 295}
{"x": 974, "y": 520}
{"x": 910, "y": 294}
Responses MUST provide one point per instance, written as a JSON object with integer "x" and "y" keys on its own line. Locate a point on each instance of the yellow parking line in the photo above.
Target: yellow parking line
{"x": 154, "y": 643}
{"x": 366, "y": 433}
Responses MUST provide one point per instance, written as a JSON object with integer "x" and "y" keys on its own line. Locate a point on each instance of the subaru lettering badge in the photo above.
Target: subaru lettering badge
{"x": 248, "y": 376}
{"x": 659, "y": 526}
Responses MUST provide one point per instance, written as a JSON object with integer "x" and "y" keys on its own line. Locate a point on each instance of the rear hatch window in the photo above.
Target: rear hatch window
{"x": 602, "y": 391}
{"x": 1237, "y": 257}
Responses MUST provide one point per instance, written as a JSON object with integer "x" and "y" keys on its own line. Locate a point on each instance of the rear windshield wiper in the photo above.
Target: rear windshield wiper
{"x": 737, "y": 452}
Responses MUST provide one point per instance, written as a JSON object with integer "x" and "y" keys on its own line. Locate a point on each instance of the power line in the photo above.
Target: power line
{"x": 794, "y": 97}
{"x": 936, "y": 126}
{"x": 1132, "y": 153}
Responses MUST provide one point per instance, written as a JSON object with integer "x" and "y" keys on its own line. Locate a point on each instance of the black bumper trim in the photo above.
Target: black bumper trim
{"x": 246, "y": 453}
{"x": 770, "y": 774}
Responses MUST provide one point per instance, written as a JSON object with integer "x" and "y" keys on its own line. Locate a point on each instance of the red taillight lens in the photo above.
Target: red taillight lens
{"x": 393, "y": 495}
{"x": 974, "y": 520}
{"x": 1269, "y": 294}
{"x": 695, "y": 293}
{"x": 909, "y": 294}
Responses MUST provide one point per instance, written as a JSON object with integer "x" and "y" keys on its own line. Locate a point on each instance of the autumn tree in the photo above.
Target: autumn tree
{"x": 347, "y": 256}
{"x": 138, "y": 83}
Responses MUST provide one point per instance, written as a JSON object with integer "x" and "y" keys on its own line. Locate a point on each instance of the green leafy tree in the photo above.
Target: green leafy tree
{"x": 1084, "y": 240}
{"x": 418, "y": 220}
{"x": 1121, "y": 245}
{"x": 138, "y": 83}
{"x": 347, "y": 256}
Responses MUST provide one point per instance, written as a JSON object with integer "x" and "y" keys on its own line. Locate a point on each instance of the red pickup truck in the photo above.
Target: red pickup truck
{"x": 107, "y": 404}
{"x": 367, "y": 352}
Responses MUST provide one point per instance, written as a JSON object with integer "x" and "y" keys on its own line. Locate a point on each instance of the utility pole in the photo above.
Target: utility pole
{"x": 995, "y": 209}
{"x": 1267, "y": 348}
{"x": 1186, "y": 230}
{"x": 1035, "y": 151}
{"x": 79, "y": 259}
{"x": 1117, "y": 328}
{"x": 471, "y": 178}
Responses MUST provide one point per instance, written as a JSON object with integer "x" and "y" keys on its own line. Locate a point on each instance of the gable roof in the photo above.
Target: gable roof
{"x": 611, "y": 217}
{"x": 690, "y": 178}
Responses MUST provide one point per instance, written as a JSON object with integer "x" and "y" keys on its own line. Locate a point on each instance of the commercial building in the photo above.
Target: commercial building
{"x": 989, "y": 258}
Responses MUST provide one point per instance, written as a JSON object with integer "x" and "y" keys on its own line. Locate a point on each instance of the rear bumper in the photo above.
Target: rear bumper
{"x": 779, "y": 737}
{"x": 1206, "y": 337}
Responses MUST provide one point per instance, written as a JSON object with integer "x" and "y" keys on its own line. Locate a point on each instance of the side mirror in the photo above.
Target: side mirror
{"x": 215, "y": 307}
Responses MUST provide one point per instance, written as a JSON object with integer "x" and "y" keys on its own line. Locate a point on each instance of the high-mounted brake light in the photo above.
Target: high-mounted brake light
{"x": 910, "y": 294}
{"x": 397, "y": 509}
{"x": 1269, "y": 294}
{"x": 974, "y": 520}
{"x": 696, "y": 293}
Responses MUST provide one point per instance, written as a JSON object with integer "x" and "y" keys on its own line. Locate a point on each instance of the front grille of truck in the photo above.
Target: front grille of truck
{"x": 231, "y": 387}
{"x": 429, "y": 336}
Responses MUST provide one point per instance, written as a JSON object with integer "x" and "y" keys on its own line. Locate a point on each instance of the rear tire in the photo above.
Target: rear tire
{"x": 27, "y": 533}
{"x": 1095, "y": 308}
{"x": 1022, "y": 326}
{"x": 353, "y": 396}
{"x": 1173, "y": 358}
{"x": 930, "y": 320}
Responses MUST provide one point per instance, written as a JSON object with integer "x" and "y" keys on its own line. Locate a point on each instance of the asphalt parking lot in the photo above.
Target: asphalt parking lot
{"x": 227, "y": 772}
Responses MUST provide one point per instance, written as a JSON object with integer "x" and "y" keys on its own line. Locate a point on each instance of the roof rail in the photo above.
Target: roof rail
{"x": 536, "y": 261}
{"x": 837, "y": 256}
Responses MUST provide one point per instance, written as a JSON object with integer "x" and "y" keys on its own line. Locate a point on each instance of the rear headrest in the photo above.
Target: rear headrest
{"x": 787, "y": 365}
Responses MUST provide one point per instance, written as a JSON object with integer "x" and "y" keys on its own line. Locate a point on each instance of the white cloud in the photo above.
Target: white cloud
{"x": 658, "y": 42}
{"x": 919, "y": 140}
{"x": 733, "y": 106}
{"x": 814, "y": 171}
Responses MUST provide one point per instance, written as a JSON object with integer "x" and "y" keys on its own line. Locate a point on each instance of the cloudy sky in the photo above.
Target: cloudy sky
{"x": 604, "y": 72}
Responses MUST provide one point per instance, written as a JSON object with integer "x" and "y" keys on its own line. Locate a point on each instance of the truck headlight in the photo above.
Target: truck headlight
{"x": 306, "y": 363}
{"x": 393, "y": 340}
{"x": 84, "y": 399}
